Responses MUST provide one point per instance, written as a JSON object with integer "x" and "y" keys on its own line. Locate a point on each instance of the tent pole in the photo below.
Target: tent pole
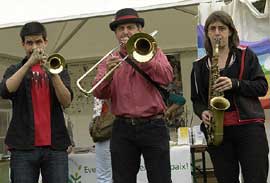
{"x": 75, "y": 30}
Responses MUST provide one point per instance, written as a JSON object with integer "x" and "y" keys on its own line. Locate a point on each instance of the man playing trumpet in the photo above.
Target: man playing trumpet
{"x": 37, "y": 137}
{"x": 139, "y": 127}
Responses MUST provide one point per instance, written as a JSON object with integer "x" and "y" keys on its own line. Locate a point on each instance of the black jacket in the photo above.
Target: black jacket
{"x": 244, "y": 93}
{"x": 20, "y": 134}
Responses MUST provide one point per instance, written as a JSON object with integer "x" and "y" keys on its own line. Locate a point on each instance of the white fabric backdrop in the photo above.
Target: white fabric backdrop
{"x": 251, "y": 25}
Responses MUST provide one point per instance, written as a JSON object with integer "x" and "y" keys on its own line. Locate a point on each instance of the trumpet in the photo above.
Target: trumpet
{"x": 55, "y": 63}
{"x": 141, "y": 47}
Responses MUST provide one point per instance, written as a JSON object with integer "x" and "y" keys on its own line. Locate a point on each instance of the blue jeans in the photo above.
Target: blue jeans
{"x": 103, "y": 162}
{"x": 26, "y": 166}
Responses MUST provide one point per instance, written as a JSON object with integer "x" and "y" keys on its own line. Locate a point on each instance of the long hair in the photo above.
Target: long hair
{"x": 226, "y": 19}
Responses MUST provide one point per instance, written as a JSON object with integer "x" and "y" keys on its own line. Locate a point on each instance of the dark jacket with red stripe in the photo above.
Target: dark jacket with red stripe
{"x": 245, "y": 88}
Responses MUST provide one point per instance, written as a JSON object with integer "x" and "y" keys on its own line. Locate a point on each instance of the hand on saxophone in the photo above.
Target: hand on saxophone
{"x": 222, "y": 84}
{"x": 206, "y": 117}
{"x": 111, "y": 63}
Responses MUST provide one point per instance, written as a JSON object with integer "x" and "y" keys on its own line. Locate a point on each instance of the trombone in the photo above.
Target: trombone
{"x": 140, "y": 46}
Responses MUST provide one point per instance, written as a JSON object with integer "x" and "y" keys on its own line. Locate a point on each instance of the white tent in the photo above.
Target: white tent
{"x": 79, "y": 29}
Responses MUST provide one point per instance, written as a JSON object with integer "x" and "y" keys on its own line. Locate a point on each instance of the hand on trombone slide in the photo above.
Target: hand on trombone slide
{"x": 113, "y": 62}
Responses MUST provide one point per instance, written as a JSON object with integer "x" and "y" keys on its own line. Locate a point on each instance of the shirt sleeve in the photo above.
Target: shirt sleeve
{"x": 159, "y": 68}
{"x": 4, "y": 93}
{"x": 103, "y": 91}
{"x": 254, "y": 83}
{"x": 199, "y": 104}
{"x": 66, "y": 80}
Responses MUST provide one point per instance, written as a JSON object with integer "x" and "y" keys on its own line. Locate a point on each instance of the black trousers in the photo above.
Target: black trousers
{"x": 130, "y": 141}
{"x": 245, "y": 145}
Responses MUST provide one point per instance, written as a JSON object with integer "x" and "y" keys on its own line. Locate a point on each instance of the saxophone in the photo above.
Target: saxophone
{"x": 217, "y": 104}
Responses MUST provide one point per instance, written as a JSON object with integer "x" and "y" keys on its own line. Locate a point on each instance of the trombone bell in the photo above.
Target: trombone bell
{"x": 142, "y": 47}
{"x": 55, "y": 63}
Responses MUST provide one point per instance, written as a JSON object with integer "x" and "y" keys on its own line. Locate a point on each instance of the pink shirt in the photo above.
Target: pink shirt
{"x": 130, "y": 93}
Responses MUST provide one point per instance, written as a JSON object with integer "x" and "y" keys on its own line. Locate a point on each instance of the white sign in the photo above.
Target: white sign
{"x": 82, "y": 167}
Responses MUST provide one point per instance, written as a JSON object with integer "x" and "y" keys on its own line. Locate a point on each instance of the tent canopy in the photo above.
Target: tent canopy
{"x": 80, "y": 29}
{"x": 19, "y": 12}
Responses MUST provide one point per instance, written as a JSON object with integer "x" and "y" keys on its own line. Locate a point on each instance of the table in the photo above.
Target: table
{"x": 82, "y": 167}
{"x": 198, "y": 149}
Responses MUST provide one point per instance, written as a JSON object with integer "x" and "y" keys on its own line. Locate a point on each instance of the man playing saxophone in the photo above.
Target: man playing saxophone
{"x": 242, "y": 81}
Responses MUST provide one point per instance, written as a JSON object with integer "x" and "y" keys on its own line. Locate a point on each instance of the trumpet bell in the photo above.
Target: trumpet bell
{"x": 55, "y": 63}
{"x": 142, "y": 47}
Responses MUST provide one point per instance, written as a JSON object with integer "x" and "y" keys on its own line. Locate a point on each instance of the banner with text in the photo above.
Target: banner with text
{"x": 82, "y": 167}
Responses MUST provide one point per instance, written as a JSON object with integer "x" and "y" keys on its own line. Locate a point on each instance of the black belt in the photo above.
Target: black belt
{"x": 138, "y": 121}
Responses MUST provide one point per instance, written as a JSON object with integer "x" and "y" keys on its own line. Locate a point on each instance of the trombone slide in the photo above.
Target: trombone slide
{"x": 132, "y": 44}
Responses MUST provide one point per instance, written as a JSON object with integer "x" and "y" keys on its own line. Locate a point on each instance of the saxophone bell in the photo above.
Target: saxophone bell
{"x": 219, "y": 105}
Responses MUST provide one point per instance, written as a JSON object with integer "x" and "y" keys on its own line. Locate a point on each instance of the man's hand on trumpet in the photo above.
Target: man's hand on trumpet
{"x": 111, "y": 63}
{"x": 37, "y": 56}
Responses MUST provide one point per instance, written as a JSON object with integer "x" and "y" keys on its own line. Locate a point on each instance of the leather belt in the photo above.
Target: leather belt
{"x": 138, "y": 121}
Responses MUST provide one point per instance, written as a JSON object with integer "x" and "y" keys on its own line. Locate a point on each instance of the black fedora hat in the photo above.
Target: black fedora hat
{"x": 126, "y": 15}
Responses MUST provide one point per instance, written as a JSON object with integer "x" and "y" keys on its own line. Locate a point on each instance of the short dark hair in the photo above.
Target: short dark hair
{"x": 33, "y": 28}
{"x": 226, "y": 19}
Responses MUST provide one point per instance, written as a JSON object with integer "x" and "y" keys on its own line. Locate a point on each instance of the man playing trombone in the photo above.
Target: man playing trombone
{"x": 37, "y": 137}
{"x": 139, "y": 127}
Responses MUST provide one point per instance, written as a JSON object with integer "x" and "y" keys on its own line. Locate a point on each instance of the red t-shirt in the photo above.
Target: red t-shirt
{"x": 41, "y": 106}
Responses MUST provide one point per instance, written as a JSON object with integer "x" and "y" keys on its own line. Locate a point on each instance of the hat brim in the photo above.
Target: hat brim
{"x": 114, "y": 24}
